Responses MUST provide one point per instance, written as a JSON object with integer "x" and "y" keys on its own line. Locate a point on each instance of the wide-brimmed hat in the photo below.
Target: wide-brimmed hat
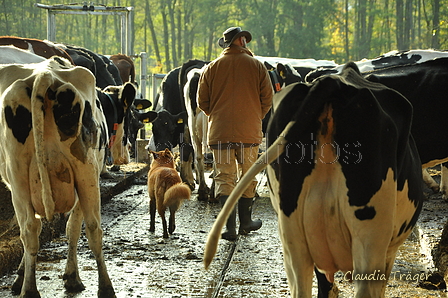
{"x": 231, "y": 34}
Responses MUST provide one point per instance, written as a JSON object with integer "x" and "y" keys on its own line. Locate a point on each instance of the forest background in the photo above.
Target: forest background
{"x": 174, "y": 31}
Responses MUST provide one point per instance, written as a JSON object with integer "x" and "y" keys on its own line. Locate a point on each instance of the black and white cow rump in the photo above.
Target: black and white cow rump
{"x": 53, "y": 134}
{"x": 345, "y": 180}
{"x": 423, "y": 84}
{"x": 197, "y": 123}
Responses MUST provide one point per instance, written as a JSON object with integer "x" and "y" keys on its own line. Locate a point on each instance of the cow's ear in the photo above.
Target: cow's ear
{"x": 128, "y": 94}
{"x": 142, "y": 104}
{"x": 181, "y": 118}
{"x": 268, "y": 66}
{"x": 281, "y": 69}
{"x": 148, "y": 116}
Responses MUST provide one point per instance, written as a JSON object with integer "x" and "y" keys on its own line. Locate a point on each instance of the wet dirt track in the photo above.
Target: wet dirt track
{"x": 143, "y": 264}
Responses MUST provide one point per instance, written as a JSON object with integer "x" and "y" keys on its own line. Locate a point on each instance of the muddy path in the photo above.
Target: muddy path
{"x": 143, "y": 264}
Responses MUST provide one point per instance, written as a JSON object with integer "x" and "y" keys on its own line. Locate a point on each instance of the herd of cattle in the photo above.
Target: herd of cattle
{"x": 347, "y": 145}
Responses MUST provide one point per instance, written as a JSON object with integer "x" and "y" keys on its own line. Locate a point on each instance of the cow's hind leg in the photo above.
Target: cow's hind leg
{"x": 89, "y": 199}
{"x": 18, "y": 281}
{"x": 444, "y": 180}
{"x": 370, "y": 272}
{"x": 298, "y": 263}
{"x": 72, "y": 281}
{"x": 325, "y": 288}
{"x": 203, "y": 189}
{"x": 430, "y": 182}
{"x": 30, "y": 228}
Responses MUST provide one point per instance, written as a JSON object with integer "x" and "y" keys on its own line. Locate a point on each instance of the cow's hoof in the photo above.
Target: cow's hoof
{"x": 16, "y": 287}
{"x": 106, "y": 292}
{"x": 31, "y": 294}
{"x": 73, "y": 283}
{"x": 202, "y": 198}
{"x": 115, "y": 168}
{"x": 192, "y": 186}
{"x": 106, "y": 175}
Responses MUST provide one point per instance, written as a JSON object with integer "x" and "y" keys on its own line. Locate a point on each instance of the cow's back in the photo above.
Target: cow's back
{"x": 51, "y": 121}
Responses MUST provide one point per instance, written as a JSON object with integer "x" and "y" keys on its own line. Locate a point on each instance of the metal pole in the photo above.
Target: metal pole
{"x": 129, "y": 29}
{"x": 143, "y": 73}
{"x": 124, "y": 47}
{"x": 51, "y": 26}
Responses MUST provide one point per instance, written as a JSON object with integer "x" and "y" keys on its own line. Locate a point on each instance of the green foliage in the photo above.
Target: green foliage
{"x": 174, "y": 31}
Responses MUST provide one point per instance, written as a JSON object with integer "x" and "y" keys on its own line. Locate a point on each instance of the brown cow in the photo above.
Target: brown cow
{"x": 125, "y": 66}
{"x": 39, "y": 47}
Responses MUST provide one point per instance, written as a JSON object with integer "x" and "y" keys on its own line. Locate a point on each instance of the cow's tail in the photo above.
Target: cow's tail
{"x": 271, "y": 154}
{"x": 38, "y": 99}
{"x": 176, "y": 194}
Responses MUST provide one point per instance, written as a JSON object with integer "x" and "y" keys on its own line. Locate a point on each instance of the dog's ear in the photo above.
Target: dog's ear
{"x": 155, "y": 154}
{"x": 167, "y": 151}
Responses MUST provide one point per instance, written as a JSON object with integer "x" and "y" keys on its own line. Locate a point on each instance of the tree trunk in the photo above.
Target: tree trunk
{"x": 165, "y": 36}
{"x": 153, "y": 32}
{"x": 400, "y": 25}
{"x": 436, "y": 25}
{"x": 346, "y": 33}
{"x": 173, "y": 32}
{"x": 407, "y": 25}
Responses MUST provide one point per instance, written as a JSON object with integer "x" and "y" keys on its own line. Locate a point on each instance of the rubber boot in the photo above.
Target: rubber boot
{"x": 245, "y": 214}
{"x": 230, "y": 233}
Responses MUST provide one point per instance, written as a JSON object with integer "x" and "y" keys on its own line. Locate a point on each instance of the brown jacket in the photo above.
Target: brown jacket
{"x": 236, "y": 93}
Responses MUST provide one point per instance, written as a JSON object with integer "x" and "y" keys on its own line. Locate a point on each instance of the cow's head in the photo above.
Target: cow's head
{"x": 282, "y": 75}
{"x": 116, "y": 101}
{"x": 136, "y": 119}
{"x": 167, "y": 129}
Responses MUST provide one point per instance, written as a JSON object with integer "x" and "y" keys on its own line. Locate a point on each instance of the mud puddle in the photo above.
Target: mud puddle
{"x": 143, "y": 264}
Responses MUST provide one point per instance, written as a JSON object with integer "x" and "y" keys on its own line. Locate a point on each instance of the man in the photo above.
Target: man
{"x": 236, "y": 93}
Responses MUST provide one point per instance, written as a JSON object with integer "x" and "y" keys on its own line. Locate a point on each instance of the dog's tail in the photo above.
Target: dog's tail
{"x": 176, "y": 194}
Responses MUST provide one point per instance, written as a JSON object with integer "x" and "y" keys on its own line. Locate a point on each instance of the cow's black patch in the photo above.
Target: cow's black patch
{"x": 103, "y": 137}
{"x": 88, "y": 131}
{"x": 66, "y": 114}
{"x": 365, "y": 213}
{"x": 297, "y": 161}
{"x": 88, "y": 137}
{"x": 402, "y": 228}
{"x": 28, "y": 91}
{"x": 400, "y": 59}
{"x": 20, "y": 123}
{"x": 51, "y": 94}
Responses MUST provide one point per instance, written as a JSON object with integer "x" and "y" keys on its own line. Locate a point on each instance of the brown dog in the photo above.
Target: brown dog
{"x": 166, "y": 190}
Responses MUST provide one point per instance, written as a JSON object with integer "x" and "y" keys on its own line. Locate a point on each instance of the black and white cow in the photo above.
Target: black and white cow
{"x": 302, "y": 66}
{"x": 393, "y": 58}
{"x": 423, "y": 85}
{"x": 43, "y": 48}
{"x": 54, "y": 136}
{"x": 107, "y": 76}
{"x": 281, "y": 75}
{"x": 117, "y": 102}
{"x": 105, "y": 72}
{"x": 170, "y": 128}
{"x": 197, "y": 121}
{"x": 345, "y": 180}
{"x": 420, "y": 75}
